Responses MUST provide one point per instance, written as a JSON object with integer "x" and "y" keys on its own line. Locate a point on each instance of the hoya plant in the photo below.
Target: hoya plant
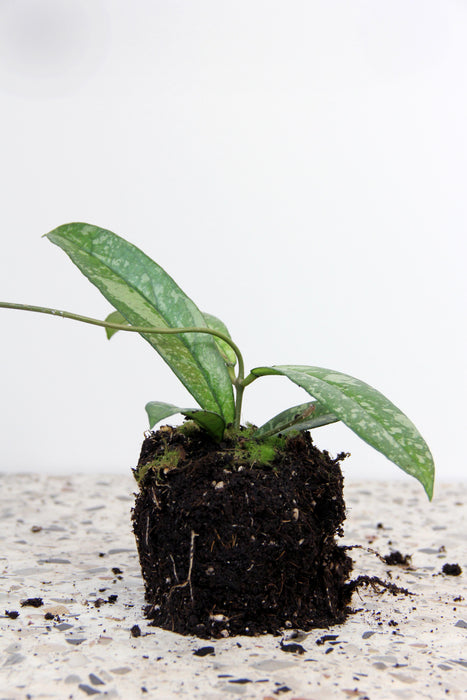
{"x": 198, "y": 348}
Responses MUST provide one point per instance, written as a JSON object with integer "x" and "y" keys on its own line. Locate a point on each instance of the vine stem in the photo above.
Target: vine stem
{"x": 237, "y": 381}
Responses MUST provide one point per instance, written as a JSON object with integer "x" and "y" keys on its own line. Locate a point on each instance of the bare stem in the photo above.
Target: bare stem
{"x": 147, "y": 330}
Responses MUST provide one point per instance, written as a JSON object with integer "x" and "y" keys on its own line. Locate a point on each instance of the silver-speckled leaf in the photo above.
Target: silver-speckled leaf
{"x": 368, "y": 413}
{"x": 213, "y": 423}
{"x": 305, "y": 416}
{"x": 146, "y": 295}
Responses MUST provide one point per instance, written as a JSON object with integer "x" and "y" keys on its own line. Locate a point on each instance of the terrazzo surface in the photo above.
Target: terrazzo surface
{"x": 67, "y": 541}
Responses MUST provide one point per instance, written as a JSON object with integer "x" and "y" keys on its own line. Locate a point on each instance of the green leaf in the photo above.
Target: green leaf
{"x": 115, "y": 317}
{"x": 305, "y": 416}
{"x": 213, "y": 423}
{"x": 368, "y": 413}
{"x": 225, "y": 349}
{"x": 158, "y": 410}
{"x": 145, "y": 295}
{"x": 213, "y": 322}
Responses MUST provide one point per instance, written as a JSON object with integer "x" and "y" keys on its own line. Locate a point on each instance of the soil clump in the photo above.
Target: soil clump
{"x": 452, "y": 569}
{"x": 398, "y": 559}
{"x": 238, "y": 538}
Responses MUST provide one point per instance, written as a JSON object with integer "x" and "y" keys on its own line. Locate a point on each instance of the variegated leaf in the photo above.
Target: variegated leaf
{"x": 305, "y": 416}
{"x": 145, "y": 295}
{"x": 368, "y": 413}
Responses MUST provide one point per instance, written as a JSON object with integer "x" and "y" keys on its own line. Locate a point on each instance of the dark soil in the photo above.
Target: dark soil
{"x": 32, "y": 602}
{"x": 398, "y": 559}
{"x": 12, "y": 614}
{"x": 231, "y": 548}
{"x": 452, "y": 570}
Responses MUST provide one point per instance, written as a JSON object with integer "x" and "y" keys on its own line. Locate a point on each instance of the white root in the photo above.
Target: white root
{"x": 190, "y": 568}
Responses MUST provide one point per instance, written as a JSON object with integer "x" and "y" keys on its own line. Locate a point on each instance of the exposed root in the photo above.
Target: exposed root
{"x": 366, "y": 549}
{"x": 376, "y": 583}
{"x": 190, "y": 568}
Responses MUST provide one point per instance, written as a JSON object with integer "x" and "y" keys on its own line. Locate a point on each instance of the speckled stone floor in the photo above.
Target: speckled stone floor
{"x": 67, "y": 541}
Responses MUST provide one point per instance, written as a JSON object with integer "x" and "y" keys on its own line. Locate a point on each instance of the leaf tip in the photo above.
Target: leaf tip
{"x": 429, "y": 489}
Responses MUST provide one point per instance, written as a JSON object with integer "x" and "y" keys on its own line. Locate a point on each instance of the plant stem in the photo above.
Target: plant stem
{"x": 239, "y": 388}
{"x": 248, "y": 380}
{"x": 237, "y": 382}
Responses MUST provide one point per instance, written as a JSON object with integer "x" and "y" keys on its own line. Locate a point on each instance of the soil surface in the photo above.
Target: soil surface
{"x": 231, "y": 548}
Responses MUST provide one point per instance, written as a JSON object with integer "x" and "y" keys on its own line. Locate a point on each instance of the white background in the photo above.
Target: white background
{"x": 300, "y": 169}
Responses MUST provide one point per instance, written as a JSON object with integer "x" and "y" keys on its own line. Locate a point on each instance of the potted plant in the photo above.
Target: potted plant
{"x": 235, "y": 525}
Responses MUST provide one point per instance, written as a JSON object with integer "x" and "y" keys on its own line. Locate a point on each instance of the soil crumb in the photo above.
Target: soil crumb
{"x": 12, "y": 614}
{"x": 398, "y": 559}
{"x": 32, "y": 602}
{"x": 452, "y": 570}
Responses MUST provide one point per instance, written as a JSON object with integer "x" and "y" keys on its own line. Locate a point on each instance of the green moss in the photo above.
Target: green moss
{"x": 245, "y": 448}
{"x": 255, "y": 452}
{"x": 189, "y": 428}
{"x": 162, "y": 464}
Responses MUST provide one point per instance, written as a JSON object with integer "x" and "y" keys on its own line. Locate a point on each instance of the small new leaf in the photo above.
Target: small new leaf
{"x": 211, "y": 422}
{"x": 115, "y": 317}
